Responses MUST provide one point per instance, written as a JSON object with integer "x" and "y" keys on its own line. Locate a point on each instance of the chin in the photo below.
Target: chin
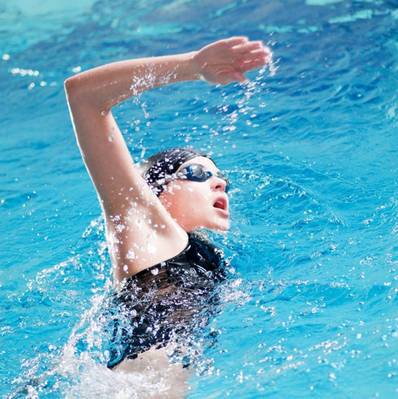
{"x": 221, "y": 227}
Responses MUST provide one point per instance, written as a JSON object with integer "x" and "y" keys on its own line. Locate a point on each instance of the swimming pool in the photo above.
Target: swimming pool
{"x": 312, "y": 156}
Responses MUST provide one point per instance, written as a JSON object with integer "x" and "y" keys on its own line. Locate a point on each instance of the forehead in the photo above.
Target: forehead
{"x": 206, "y": 162}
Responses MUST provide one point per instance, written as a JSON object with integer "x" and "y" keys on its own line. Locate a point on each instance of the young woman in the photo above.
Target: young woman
{"x": 163, "y": 273}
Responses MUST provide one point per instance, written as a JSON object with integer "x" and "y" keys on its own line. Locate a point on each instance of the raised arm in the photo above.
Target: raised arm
{"x": 221, "y": 62}
{"x": 91, "y": 96}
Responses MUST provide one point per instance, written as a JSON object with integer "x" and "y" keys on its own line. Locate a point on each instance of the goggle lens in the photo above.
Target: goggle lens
{"x": 197, "y": 172}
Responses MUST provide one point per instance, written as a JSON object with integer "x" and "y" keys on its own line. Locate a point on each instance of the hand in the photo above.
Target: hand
{"x": 228, "y": 60}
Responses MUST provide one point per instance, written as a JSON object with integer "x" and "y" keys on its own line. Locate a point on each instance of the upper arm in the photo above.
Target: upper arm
{"x": 105, "y": 154}
{"x": 117, "y": 180}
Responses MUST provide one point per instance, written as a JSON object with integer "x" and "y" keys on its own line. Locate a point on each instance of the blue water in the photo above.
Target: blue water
{"x": 312, "y": 154}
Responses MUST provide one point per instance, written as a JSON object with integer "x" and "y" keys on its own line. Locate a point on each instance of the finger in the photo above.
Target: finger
{"x": 268, "y": 50}
{"x": 257, "y": 54}
{"x": 253, "y": 64}
{"x": 235, "y": 76}
{"x": 233, "y": 41}
{"x": 247, "y": 47}
{"x": 253, "y": 56}
{"x": 223, "y": 79}
{"x": 227, "y": 76}
{"x": 260, "y": 53}
{"x": 240, "y": 77}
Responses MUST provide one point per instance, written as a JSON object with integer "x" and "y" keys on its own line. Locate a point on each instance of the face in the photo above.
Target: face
{"x": 198, "y": 204}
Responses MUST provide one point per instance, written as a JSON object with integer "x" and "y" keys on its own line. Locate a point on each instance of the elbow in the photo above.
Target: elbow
{"x": 79, "y": 95}
{"x": 74, "y": 91}
{"x": 70, "y": 85}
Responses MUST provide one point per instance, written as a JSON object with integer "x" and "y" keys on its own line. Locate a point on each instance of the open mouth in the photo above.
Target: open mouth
{"x": 221, "y": 203}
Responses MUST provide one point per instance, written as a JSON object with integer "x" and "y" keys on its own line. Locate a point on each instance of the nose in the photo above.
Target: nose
{"x": 218, "y": 184}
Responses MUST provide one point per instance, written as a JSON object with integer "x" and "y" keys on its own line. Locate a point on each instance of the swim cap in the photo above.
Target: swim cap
{"x": 165, "y": 163}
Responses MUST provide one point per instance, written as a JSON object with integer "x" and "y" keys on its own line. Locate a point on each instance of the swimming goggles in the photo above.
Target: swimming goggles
{"x": 195, "y": 172}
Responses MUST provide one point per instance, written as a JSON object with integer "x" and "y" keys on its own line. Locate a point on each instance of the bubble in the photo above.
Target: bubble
{"x": 120, "y": 227}
{"x": 131, "y": 255}
{"x": 5, "y": 57}
{"x": 24, "y": 72}
{"x": 151, "y": 248}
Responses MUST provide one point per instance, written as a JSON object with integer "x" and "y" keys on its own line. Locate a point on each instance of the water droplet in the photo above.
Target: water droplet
{"x": 155, "y": 271}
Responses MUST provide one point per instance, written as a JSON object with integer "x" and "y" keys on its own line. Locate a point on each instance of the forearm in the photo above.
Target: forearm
{"x": 108, "y": 85}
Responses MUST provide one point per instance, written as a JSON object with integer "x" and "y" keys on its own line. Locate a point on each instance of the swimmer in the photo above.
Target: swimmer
{"x": 163, "y": 271}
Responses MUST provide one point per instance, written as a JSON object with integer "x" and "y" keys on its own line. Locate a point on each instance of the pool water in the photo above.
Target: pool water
{"x": 310, "y": 311}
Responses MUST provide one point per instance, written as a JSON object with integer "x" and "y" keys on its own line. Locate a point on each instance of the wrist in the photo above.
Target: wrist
{"x": 192, "y": 68}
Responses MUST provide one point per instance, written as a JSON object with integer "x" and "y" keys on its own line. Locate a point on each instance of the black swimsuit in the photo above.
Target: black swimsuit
{"x": 167, "y": 300}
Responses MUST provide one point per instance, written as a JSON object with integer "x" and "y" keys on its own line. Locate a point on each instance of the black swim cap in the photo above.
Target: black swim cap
{"x": 165, "y": 163}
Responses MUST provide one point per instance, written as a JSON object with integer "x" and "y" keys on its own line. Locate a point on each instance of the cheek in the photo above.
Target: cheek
{"x": 188, "y": 197}
{"x": 197, "y": 193}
